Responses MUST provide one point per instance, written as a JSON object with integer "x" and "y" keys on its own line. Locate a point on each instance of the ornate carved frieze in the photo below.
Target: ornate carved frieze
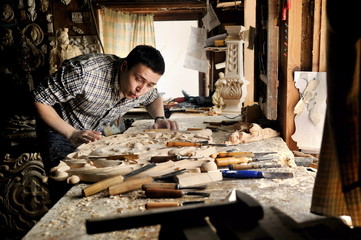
{"x": 24, "y": 195}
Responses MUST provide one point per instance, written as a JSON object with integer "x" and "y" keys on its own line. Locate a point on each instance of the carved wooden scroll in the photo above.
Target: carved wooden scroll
{"x": 24, "y": 195}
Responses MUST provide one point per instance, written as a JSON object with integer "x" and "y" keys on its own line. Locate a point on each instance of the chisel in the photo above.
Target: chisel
{"x": 171, "y": 186}
{"x": 240, "y": 174}
{"x": 153, "y": 205}
{"x": 252, "y": 166}
{"x": 160, "y": 159}
{"x": 104, "y": 184}
{"x": 224, "y": 162}
{"x": 243, "y": 154}
{"x": 196, "y": 144}
{"x": 137, "y": 183}
{"x": 171, "y": 193}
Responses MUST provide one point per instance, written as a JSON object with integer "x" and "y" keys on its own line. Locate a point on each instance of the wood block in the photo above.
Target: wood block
{"x": 193, "y": 179}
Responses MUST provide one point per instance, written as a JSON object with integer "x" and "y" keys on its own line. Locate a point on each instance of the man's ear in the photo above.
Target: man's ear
{"x": 124, "y": 66}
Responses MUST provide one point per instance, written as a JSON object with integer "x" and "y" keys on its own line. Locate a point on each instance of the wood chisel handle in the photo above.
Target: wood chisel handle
{"x": 224, "y": 162}
{"x": 153, "y": 205}
{"x": 163, "y": 193}
{"x": 235, "y": 154}
{"x": 160, "y": 185}
{"x": 243, "y": 166}
{"x": 160, "y": 159}
{"x": 101, "y": 185}
{"x": 251, "y": 166}
{"x": 183, "y": 144}
{"x": 129, "y": 185}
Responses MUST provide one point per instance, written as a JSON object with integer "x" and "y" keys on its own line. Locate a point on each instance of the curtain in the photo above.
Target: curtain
{"x": 337, "y": 189}
{"x": 122, "y": 31}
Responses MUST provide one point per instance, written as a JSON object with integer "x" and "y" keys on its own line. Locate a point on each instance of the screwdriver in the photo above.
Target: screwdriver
{"x": 171, "y": 193}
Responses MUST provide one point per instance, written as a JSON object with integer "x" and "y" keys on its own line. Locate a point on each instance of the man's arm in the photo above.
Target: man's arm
{"x": 156, "y": 109}
{"x": 52, "y": 119}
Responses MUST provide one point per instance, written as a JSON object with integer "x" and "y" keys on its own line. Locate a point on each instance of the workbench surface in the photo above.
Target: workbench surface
{"x": 66, "y": 219}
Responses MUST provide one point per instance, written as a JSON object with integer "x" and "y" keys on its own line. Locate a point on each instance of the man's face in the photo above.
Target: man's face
{"x": 137, "y": 81}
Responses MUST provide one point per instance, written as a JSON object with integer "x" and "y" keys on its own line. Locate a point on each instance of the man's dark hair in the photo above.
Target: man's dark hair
{"x": 147, "y": 55}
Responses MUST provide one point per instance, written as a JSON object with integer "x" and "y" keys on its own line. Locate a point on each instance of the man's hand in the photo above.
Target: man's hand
{"x": 165, "y": 123}
{"x": 84, "y": 136}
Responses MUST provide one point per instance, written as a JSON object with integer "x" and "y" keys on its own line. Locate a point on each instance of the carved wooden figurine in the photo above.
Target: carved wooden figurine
{"x": 62, "y": 50}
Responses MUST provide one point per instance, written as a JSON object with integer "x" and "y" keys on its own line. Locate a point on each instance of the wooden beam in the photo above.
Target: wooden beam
{"x": 316, "y": 36}
{"x": 270, "y": 109}
{"x": 249, "y": 21}
{"x": 293, "y": 64}
{"x": 323, "y": 40}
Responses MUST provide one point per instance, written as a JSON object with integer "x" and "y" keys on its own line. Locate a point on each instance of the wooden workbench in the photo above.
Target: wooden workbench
{"x": 66, "y": 220}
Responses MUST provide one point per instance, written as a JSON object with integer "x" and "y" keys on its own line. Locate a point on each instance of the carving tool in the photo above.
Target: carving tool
{"x": 116, "y": 157}
{"x": 241, "y": 174}
{"x": 171, "y": 193}
{"x": 225, "y": 123}
{"x": 224, "y": 162}
{"x": 137, "y": 183}
{"x": 160, "y": 159}
{"x": 171, "y": 186}
{"x": 197, "y": 144}
{"x": 154, "y": 205}
{"x": 104, "y": 184}
{"x": 252, "y": 166}
{"x": 242, "y": 154}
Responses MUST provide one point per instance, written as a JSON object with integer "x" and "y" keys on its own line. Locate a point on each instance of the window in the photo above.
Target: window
{"x": 172, "y": 40}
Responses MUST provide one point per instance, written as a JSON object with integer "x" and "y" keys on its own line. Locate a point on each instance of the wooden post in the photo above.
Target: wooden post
{"x": 249, "y": 21}
{"x": 270, "y": 109}
{"x": 293, "y": 64}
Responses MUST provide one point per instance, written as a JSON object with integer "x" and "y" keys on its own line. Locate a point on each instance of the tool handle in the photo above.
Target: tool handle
{"x": 163, "y": 193}
{"x": 160, "y": 159}
{"x": 128, "y": 156}
{"x": 160, "y": 185}
{"x": 224, "y": 162}
{"x": 241, "y": 174}
{"x": 129, "y": 185}
{"x": 153, "y": 205}
{"x": 183, "y": 144}
{"x": 242, "y": 166}
{"x": 101, "y": 185}
{"x": 235, "y": 154}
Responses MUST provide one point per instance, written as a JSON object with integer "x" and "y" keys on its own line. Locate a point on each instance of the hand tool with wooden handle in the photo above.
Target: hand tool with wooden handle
{"x": 252, "y": 166}
{"x": 137, "y": 183}
{"x": 171, "y": 186}
{"x": 241, "y": 174}
{"x": 242, "y": 154}
{"x": 196, "y": 144}
{"x": 171, "y": 193}
{"x": 104, "y": 184}
{"x": 160, "y": 159}
{"x": 154, "y": 205}
{"x": 224, "y": 162}
{"x": 244, "y": 204}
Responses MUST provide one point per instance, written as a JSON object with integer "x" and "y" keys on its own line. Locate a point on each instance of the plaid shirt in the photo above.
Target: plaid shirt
{"x": 85, "y": 92}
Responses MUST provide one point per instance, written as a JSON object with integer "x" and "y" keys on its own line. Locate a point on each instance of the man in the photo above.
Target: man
{"x": 90, "y": 91}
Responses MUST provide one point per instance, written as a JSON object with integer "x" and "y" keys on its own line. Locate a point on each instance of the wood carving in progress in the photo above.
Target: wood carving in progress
{"x": 92, "y": 162}
{"x": 251, "y": 132}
